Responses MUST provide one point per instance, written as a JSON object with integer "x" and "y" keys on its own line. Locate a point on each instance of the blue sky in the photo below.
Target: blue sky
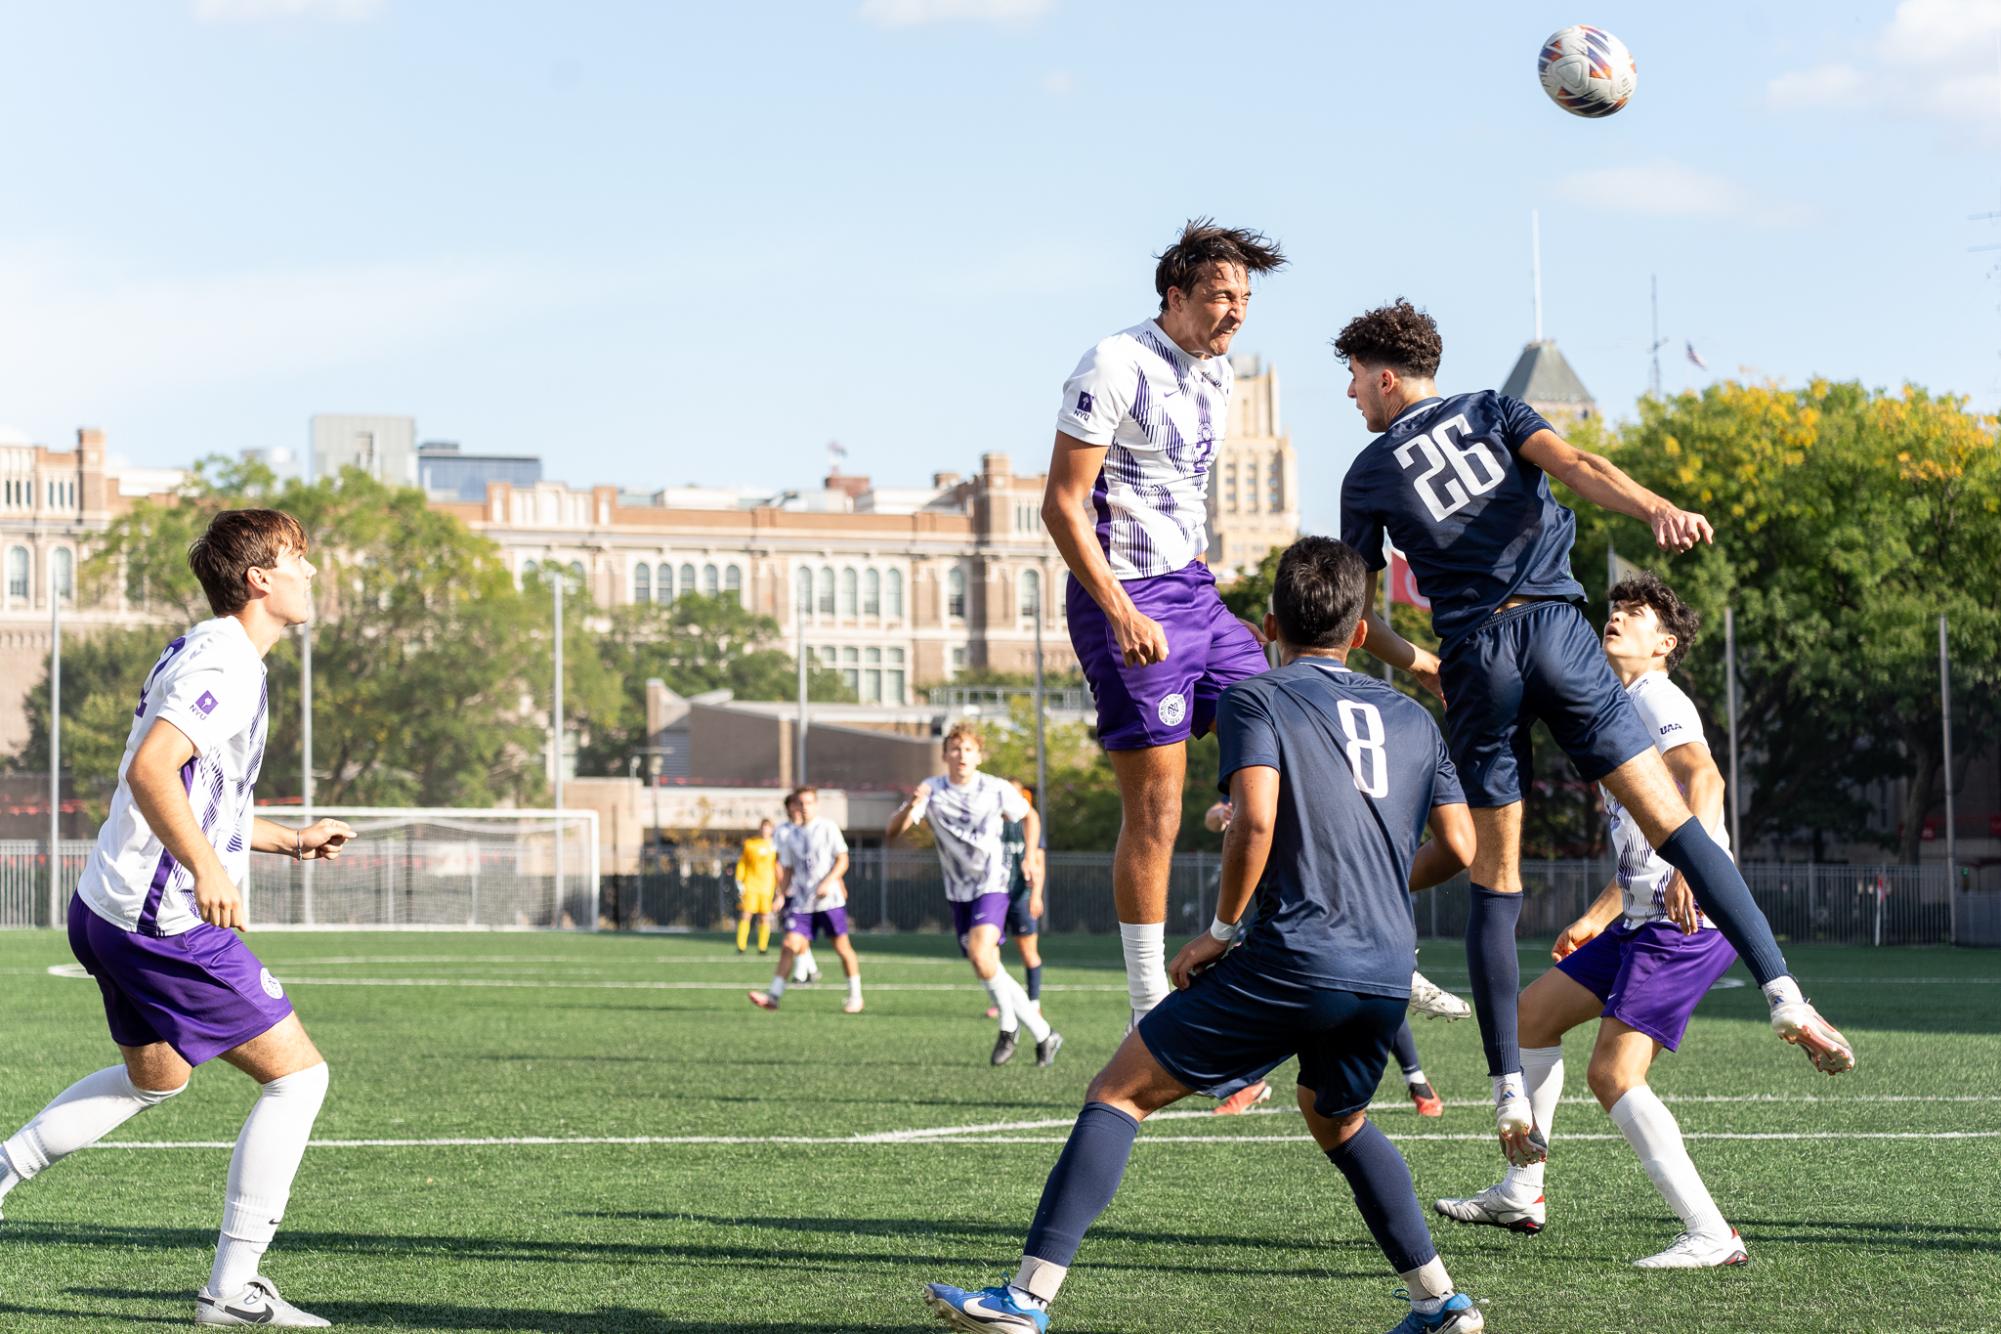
{"x": 676, "y": 243}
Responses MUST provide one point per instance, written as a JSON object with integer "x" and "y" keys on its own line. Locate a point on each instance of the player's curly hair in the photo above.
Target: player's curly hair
{"x": 1203, "y": 243}
{"x": 1399, "y": 336}
{"x": 965, "y": 729}
{"x": 1647, "y": 589}
{"x": 1320, "y": 591}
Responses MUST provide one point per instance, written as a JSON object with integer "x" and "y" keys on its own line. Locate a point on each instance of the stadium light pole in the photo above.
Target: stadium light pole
{"x": 306, "y": 720}
{"x": 55, "y": 747}
{"x": 1730, "y": 693}
{"x": 1041, "y": 706}
{"x": 1951, "y": 845}
{"x": 805, "y": 600}
{"x": 556, "y": 712}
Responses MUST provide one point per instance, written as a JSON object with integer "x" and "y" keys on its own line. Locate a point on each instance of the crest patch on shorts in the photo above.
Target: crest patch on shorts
{"x": 270, "y": 983}
{"x": 1171, "y": 710}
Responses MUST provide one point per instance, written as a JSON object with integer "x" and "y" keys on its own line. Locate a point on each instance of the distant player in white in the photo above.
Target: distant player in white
{"x": 1641, "y": 957}
{"x": 967, "y": 810}
{"x": 805, "y": 968}
{"x": 153, "y": 914}
{"x": 812, "y": 866}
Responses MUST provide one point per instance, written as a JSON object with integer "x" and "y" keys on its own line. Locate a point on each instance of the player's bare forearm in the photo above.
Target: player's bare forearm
{"x": 1606, "y": 906}
{"x": 1073, "y": 471}
{"x": 1450, "y": 849}
{"x": 1603, "y": 483}
{"x": 154, "y": 776}
{"x": 1247, "y": 842}
{"x": 1694, "y": 770}
{"x": 1400, "y": 653}
{"x": 322, "y": 840}
{"x": 270, "y": 836}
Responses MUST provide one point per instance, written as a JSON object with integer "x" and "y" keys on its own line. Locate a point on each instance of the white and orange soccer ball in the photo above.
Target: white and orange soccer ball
{"x": 1587, "y": 71}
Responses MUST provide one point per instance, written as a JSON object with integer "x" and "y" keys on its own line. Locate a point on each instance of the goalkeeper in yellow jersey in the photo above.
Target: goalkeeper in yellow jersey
{"x": 756, "y": 884}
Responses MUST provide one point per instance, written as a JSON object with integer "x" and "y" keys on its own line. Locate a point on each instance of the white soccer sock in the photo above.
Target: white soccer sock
{"x": 804, "y": 964}
{"x": 1017, "y": 1002}
{"x": 1650, "y": 1128}
{"x": 1429, "y": 1285}
{"x": 1415, "y": 1077}
{"x": 854, "y": 986}
{"x": 997, "y": 993}
{"x": 1038, "y": 1281}
{"x": 777, "y": 985}
{"x": 1781, "y": 991}
{"x": 1145, "y": 946}
{"x": 79, "y": 1116}
{"x": 1542, "y": 1071}
{"x": 260, "y": 1173}
{"x": 1511, "y": 1080}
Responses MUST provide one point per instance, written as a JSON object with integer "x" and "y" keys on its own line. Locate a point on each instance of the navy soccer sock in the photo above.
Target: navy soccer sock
{"x": 1721, "y": 892}
{"x": 1377, "y": 1174}
{"x": 1085, "y": 1178}
{"x": 1034, "y": 982}
{"x": 1496, "y": 973}
{"x": 1404, "y": 1045}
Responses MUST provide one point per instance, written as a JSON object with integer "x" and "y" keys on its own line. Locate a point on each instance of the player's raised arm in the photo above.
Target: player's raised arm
{"x": 155, "y": 779}
{"x": 1400, "y": 653}
{"x": 1602, "y": 482}
{"x": 1246, "y": 850}
{"x": 1073, "y": 471}
{"x": 909, "y": 814}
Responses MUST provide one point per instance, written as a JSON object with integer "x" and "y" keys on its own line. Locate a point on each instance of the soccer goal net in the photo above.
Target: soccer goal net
{"x": 435, "y": 869}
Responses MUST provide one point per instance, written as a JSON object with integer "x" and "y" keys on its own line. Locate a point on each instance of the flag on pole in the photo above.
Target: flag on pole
{"x": 1618, "y": 569}
{"x": 1695, "y": 357}
{"x": 836, "y": 450}
{"x": 1403, "y": 584}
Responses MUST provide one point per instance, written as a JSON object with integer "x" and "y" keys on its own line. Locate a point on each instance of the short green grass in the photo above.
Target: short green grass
{"x": 565, "y": 1038}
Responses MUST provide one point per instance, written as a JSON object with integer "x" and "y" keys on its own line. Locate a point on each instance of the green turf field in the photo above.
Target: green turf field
{"x": 808, "y": 1170}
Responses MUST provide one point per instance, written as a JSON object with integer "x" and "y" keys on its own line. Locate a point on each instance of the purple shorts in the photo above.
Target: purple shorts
{"x": 986, "y": 910}
{"x": 1208, "y": 649}
{"x": 1651, "y": 977}
{"x": 201, "y": 992}
{"x": 832, "y": 923}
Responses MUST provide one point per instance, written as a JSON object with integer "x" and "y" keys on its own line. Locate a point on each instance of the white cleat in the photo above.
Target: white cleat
{"x": 1433, "y": 1001}
{"x": 1691, "y": 1251}
{"x": 1514, "y": 1121}
{"x": 1493, "y": 1208}
{"x": 255, "y": 1303}
{"x": 1799, "y": 1023}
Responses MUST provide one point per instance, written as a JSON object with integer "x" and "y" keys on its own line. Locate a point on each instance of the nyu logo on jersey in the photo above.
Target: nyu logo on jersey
{"x": 1084, "y": 401}
{"x": 206, "y": 704}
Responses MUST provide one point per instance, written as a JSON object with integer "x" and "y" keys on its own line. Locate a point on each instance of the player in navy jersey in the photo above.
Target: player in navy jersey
{"x": 1333, "y": 778}
{"x": 1142, "y": 418}
{"x": 1460, "y": 485}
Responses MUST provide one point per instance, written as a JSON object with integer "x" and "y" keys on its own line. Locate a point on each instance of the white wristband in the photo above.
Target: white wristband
{"x": 1222, "y": 930}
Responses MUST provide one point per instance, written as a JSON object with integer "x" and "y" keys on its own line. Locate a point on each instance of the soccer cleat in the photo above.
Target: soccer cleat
{"x": 1799, "y": 1023}
{"x": 1458, "y": 1316}
{"x": 1245, "y": 1098}
{"x": 1428, "y": 1102}
{"x": 1005, "y": 1044}
{"x": 1690, "y": 1251}
{"x": 255, "y": 1303}
{"x": 1521, "y": 1142}
{"x": 988, "y": 1311}
{"x": 1493, "y": 1208}
{"x": 1045, "y": 1050}
{"x": 852, "y": 1005}
{"x": 763, "y": 1000}
{"x": 1433, "y": 1001}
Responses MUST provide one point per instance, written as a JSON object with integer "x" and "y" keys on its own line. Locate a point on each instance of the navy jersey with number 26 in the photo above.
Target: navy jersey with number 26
{"x": 1474, "y": 518}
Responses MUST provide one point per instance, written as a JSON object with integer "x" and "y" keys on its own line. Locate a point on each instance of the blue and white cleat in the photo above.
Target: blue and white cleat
{"x": 990, "y": 1310}
{"x": 1458, "y": 1316}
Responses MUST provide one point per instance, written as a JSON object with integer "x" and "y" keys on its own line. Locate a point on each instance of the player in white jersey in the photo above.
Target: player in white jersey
{"x": 1142, "y": 418}
{"x": 967, "y": 811}
{"x": 812, "y": 866}
{"x": 1642, "y": 956}
{"x": 805, "y": 968}
{"x": 151, "y": 917}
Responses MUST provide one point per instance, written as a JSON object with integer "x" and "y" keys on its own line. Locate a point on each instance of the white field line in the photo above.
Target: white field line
{"x": 76, "y": 971}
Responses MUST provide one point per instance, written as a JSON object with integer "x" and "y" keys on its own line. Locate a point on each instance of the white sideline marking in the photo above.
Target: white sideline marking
{"x": 76, "y": 970}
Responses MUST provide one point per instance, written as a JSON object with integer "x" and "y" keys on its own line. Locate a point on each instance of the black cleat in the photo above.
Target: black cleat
{"x": 1005, "y": 1044}
{"x": 1045, "y": 1050}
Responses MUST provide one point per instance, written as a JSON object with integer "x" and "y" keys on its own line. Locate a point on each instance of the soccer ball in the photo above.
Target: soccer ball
{"x": 1587, "y": 71}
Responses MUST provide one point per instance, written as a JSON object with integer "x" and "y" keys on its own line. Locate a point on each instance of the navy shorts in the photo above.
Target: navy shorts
{"x": 1019, "y": 920}
{"x": 1538, "y": 660}
{"x": 1236, "y": 1025}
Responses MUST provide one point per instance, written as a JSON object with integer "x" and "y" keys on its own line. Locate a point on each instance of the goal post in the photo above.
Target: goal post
{"x": 436, "y": 869}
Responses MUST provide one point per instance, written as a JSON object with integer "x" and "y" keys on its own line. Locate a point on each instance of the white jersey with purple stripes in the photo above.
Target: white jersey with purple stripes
{"x": 1160, "y": 413}
{"x": 1671, "y": 720}
{"x": 968, "y": 824}
{"x": 209, "y": 683}
{"x": 809, "y": 852}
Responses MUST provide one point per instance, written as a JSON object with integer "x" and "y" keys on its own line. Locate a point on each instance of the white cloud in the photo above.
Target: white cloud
{"x": 913, "y": 13}
{"x": 1935, "y": 59}
{"x": 253, "y": 11}
{"x": 1671, "y": 190}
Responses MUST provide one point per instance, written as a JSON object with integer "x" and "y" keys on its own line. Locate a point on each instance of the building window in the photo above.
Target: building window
{"x": 642, "y": 583}
{"x": 1277, "y": 486}
{"x": 802, "y": 591}
{"x": 687, "y": 584}
{"x": 824, "y": 584}
{"x": 872, "y": 676}
{"x": 872, "y": 592}
{"x": 959, "y": 660}
{"x": 17, "y": 572}
{"x": 528, "y": 570}
{"x": 733, "y": 583}
{"x": 851, "y": 669}
{"x": 1031, "y": 594}
{"x": 666, "y": 583}
{"x": 892, "y": 602}
{"x": 576, "y": 574}
{"x": 850, "y": 594}
{"x": 893, "y": 678}
{"x": 65, "y": 574}
{"x": 712, "y": 581}
{"x": 1027, "y": 518}
{"x": 955, "y": 594}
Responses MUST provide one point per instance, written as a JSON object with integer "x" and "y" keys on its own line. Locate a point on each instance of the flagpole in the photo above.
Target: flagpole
{"x": 55, "y": 748}
{"x": 1951, "y": 846}
{"x": 1730, "y": 687}
{"x": 1535, "y": 266}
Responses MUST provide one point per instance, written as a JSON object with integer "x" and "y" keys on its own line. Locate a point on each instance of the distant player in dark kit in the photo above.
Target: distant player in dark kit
{"x": 1333, "y": 777}
{"x": 1028, "y": 882}
{"x": 1460, "y": 485}
{"x": 156, "y": 913}
{"x": 1142, "y": 418}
